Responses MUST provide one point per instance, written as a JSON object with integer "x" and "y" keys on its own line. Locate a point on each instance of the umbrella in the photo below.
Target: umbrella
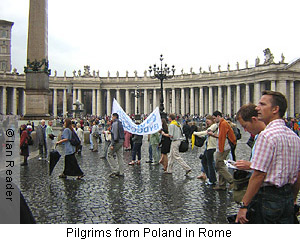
{"x": 54, "y": 158}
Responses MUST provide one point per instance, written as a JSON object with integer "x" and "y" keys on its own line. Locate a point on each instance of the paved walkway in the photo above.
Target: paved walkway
{"x": 144, "y": 195}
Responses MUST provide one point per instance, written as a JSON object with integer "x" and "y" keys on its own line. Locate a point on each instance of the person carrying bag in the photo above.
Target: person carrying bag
{"x": 175, "y": 134}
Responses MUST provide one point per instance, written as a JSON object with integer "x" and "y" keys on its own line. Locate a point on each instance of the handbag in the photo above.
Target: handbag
{"x": 51, "y": 136}
{"x": 75, "y": 141}
{"x": 96, "y": 134}
{"x": 24, "y": 145}
{"x": 184, "y": 146}
{"x": 199, "y": 141}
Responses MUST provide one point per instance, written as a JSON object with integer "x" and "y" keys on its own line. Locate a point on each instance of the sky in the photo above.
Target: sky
{"x": 120, "y": 35}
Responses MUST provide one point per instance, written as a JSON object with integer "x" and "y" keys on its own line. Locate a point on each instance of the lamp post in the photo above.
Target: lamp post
{"x": 137, "y": 96}
{"x": 161, "y": 73}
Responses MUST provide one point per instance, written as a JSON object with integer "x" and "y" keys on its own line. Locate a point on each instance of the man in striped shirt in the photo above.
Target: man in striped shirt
{"x": 275, "y": 182}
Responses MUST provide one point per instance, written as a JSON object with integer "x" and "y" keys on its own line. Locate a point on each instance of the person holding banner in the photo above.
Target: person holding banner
{"x": 154, "y": 142}
{"x": 136, "y": 149}
{"x": 175, "y": 134}
{"x": 126, "y": 144}
{"x": 117, "y": 140}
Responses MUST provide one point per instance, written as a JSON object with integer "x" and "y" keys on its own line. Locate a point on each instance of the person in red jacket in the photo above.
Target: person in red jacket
{"x": 225, "y": 137}
{"x": 24, "y": 145}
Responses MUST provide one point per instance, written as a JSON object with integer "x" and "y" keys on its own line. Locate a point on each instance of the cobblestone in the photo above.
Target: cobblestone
{"x": 144, "y": 195}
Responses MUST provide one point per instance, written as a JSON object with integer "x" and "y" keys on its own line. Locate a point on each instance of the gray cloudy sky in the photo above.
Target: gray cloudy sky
{"x": 121, "y": 35}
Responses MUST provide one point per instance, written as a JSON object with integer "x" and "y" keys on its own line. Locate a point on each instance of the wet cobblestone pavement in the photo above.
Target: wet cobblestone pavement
{"x": 144, "y": 195}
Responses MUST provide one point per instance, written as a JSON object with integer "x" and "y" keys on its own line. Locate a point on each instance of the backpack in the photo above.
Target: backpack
{"x": 29, "y": 140}
{"x": 75, "y": 141}
{"x": 237, "y": 133}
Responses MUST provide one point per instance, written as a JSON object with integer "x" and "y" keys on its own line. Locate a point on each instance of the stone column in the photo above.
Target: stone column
{"x": 127, "y": 101}
{"x": 14, "y": 101}
{"x": 215, "y": 97}
{"x": 55, "y": 102}
{"x": 262, "y": 86}
{"x": 24, "y": 103}
{"x": 206, "y": 100}
{"x": 169, "y": 106}
{"x": 196, "y": 101}
{"x": 65, "y": 102}
{"x": 4, "y": 100}
{"x": 79, "y": 95}
{"x": 229, "y": 100}
{"x": 182, "y": 101}
{"x": 165, "y": 100}
{"x": 118, "y": 96}
{"x": 201, "y": 103}
{"x": 192, "y": 101}
{"x": 291, "y": 104}
{"x": 74, "y": 100}
{"x": 146, "y": 101}
{"x": 177, "y": 106}
{"x": 210, "y": 100}
{"x": 108, "y": 102}
{"x": 37, "y": 79}
{"x": 247, "y": 93}
{"x": 74, "y": 96}
{"x": 135, "y": 102}
{"x": 256, "y": 94}
{"x": 187, "y": 101}
{"x": 282, "y": 87}
{"x": 94, "y": 102}
{"x": 238, "y": 97}
{"x": 173, "y": 100}
{"x": 140, "y": 103}
{"x": 154, "y": 99}
{"x": 220, "y": 99}
{"x": 273, "y": 85}
{"x": 98, "y": 102}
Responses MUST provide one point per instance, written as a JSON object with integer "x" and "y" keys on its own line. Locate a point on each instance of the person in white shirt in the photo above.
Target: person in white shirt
{"x": 79, "y": 133}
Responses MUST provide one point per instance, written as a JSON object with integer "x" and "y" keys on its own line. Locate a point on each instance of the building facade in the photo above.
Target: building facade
{"x": 192, "y": 93}
{"x": 5, "y": 45}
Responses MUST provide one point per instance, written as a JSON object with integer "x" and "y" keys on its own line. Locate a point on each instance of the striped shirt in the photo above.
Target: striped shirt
{"x": 277, "y": 153}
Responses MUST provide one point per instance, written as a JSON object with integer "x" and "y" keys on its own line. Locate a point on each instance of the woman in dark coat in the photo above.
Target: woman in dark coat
{"x": 165, "y": 145}
{"x": 24, "y": 145}
{"x": 71, "y": 166}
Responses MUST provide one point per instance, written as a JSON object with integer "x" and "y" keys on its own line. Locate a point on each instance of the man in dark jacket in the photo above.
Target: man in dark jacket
{"x": 41, "y": 140}
{"x": 186, "y": 130}
{"x": 117, "y": 140}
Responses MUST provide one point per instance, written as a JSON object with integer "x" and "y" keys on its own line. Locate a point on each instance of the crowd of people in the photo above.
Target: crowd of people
{"x": 271, "y": 179}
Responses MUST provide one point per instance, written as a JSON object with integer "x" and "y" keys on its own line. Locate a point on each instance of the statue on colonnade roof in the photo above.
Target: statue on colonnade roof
{"x": 269, "y": 58}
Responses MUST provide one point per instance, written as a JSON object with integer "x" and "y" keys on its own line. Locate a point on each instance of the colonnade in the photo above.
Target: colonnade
{"x": 12, "y": 100}
{"x": 199, "y": 100}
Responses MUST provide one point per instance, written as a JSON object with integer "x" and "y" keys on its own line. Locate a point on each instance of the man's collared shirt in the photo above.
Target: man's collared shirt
{"x": 277, "y": 153}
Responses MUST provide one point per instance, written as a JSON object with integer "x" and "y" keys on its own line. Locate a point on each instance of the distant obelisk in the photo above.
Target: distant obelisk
{"x": 37, "y": 69}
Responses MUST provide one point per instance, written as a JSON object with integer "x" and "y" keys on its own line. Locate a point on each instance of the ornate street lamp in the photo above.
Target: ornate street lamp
{"x": 162, "y": 73}
{"x": 137, "y": 96}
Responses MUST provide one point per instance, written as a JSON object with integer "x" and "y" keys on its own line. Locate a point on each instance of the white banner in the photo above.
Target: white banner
{"x": 151, "y": 125}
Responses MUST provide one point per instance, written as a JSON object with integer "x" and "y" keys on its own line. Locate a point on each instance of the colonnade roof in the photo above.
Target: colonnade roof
{"x": 258, "y": 73}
